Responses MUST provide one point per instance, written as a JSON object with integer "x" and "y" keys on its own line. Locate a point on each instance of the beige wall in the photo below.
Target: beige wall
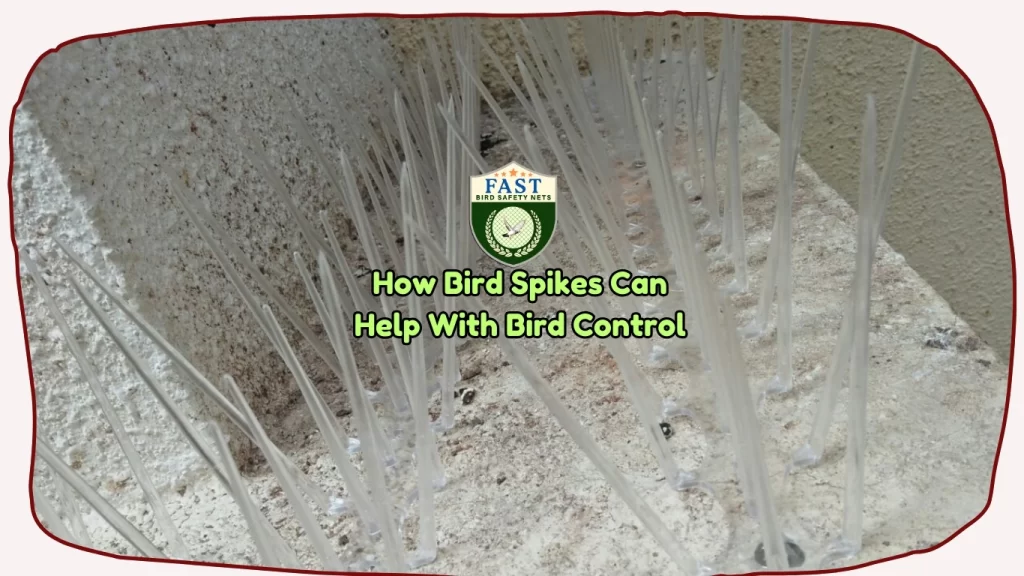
{"x": 947, "y": 211}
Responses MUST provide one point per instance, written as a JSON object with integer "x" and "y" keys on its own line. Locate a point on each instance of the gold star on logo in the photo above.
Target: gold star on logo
{"x": 512, "y": 172}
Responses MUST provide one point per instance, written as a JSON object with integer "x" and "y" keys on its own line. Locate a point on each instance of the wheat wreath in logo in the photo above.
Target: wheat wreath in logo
{"x": 513, "y": 212}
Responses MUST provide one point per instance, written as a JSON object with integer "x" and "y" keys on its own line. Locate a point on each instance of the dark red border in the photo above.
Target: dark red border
{"x": 988, "y": 117}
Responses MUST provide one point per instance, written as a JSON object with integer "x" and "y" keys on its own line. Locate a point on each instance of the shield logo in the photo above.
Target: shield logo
{"x": 513, "y": 212}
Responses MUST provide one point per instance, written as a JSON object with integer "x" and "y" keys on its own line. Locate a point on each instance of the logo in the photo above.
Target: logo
{"x": 513, "y": 213}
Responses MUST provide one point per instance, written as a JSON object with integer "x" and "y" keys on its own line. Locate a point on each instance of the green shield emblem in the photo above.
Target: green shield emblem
{"x": 512, "y": 211}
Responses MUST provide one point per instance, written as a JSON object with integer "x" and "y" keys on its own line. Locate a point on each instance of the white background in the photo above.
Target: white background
{"x": 982, "y": 37}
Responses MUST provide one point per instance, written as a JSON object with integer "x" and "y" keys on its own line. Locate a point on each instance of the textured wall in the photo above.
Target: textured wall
{"x": 407, "y": 37}
{"x": 947, "y": 211}
{"x": 119, "y": 112}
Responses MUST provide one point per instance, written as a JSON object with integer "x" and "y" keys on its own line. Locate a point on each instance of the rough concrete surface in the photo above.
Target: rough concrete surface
{"x": 520, "y": 497}
{"x": 503, "y": 35}
{"x": 122, "y": 113}
{"x": 68, "y": 415}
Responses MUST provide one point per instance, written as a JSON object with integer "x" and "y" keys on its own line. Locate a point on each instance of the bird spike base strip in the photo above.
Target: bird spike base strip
{"x": 632, "y": 207}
